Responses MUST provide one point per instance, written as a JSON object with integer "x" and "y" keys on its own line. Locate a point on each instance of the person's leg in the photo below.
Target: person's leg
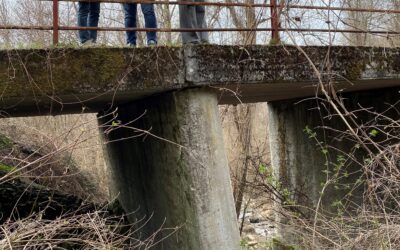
{"x": 130, "y": 10}
{"x": 83, "y": 12}
{"x": 201, "y": 22}
{"x": 150, "y": 22}
{"x": 187, "y": 19}
{"x": 93, "y": 21}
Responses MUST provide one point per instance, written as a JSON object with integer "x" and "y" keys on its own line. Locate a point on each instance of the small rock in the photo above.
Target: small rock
{"x": 252, "y": 243}
{"x": 261, "y": 231}
{"x": 246, "y": 215}
{"x": 254, "y": 219}
{"x": 248, "y": 230}
{"x": 251, "y": 237}
{"x": 263, "y": 224}
{"x": 266, "y": 214}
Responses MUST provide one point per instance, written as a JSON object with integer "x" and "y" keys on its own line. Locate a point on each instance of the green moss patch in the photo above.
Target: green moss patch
{"x": 5, "y": 142}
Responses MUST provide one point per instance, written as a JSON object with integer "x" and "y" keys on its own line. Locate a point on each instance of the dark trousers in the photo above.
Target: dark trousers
{"x": 191, "y": 16}
{"x": 149, "y": 20}
{"x": 88, "y": 16}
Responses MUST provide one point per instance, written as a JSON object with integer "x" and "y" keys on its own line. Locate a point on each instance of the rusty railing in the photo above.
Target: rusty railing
{"x": 274, "y": 7}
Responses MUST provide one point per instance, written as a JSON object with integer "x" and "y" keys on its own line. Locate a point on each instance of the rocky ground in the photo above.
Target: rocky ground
{"x": 258, "y": 229}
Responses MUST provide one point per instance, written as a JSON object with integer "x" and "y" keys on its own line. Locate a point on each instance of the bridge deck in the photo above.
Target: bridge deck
{"x": 73, "y": 80}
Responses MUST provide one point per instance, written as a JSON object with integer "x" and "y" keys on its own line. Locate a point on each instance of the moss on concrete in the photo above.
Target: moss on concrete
{"x": 73, "y": 71}
{"x": 41, "y": 79}
{"x": 55, "y": 71}
{"x": 93, "y": 69}
{"x": 5, "y": 142}
{"x": 354, "y": 69}
{"x": 288, "y": 64}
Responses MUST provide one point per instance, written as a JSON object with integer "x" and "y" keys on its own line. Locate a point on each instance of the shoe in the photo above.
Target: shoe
{"x": 152, "y": 43}
{"x": 132, "y": 45}
{"x": 88, "y": 43}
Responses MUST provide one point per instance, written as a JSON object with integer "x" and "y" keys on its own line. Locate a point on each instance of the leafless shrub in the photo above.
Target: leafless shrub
{"x": 96, "y": 230}
{"x": 43, "y": 162}
{"x": 368, "y": 222}
{"x": 37, "y": 158}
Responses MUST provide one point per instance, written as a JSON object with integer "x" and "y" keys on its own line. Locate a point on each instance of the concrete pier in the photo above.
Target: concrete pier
{"x": 304, "y": 153}
{"x": 177, "y": 173}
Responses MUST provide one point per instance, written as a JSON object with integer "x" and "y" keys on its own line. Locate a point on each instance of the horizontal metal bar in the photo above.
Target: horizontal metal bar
{"x": 25, "y": 27}
{"x": 71, "y": 28}
{"x": 290, "y": 6}
{"x": 172, "y": 3}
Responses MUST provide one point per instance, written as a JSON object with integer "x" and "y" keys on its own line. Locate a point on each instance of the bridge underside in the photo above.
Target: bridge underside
{"x": 55, "y": 81}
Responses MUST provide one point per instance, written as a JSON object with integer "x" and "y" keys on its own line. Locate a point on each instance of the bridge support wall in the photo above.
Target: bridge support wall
{"x": 306, "y": 149}
{"x": 177, "y": 172}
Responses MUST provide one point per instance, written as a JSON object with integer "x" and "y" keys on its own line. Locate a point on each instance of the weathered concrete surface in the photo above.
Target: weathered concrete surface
{"x": 183, "y": 183}
{"x": 302, "y": 165}
{"x": 85, "y": 80}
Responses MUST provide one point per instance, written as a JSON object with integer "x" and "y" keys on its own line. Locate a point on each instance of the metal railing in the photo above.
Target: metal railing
{"x": 274, "y": 7}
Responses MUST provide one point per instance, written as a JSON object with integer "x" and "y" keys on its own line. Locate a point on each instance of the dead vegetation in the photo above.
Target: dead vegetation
{"x": 94, "y": 230}
{"x": 62, "y": 153}
{"x": 48, "y": 202}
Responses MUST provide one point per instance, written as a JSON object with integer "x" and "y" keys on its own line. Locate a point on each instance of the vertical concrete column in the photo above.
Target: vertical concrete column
{"x": 296, "y": 160}
{"x": 299, "y": 162}
{"x": 177, "y": 172}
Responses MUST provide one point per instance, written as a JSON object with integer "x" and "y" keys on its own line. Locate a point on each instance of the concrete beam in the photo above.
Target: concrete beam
{"x": 54, "y": 81}
{"x": 180, "y": 178}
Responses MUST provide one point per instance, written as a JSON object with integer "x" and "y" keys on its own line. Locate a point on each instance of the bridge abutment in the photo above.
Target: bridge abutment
{"x": 176, "y": 172}
{"x": 310, "y": 145}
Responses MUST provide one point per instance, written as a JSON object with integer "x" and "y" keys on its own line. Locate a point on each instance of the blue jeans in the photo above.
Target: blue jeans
{"x": 88, "y": 16}
{"x": 149, "y": 20}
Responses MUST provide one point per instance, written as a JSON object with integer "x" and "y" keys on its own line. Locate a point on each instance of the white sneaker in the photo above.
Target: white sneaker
{"x": 152, "y": 43}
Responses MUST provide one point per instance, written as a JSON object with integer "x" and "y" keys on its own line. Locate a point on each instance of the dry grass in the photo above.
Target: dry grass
{"x": 66, "y": 152}
{"x": 63, "y": 153}
{"x": 96, "y": 230}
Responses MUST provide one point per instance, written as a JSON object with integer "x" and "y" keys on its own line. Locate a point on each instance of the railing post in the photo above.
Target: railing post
{"x": 274, "y": 22}
{"x": 55, "y": 22}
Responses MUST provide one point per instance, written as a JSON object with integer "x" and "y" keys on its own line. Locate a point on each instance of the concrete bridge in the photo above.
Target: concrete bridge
{"x": 179, "y": 174}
